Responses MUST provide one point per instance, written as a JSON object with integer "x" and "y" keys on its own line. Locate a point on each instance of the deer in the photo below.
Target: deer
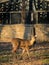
{"x": 23, "y": 44}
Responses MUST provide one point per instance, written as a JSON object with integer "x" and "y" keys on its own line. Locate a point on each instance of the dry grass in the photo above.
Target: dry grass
{"x": 42, "y": 32}
{"x": 37, "y": 58}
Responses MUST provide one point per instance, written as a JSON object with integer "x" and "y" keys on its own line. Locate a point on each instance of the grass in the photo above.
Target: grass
{"x": 45, "y": 61}
{"x": 6, "y": 56}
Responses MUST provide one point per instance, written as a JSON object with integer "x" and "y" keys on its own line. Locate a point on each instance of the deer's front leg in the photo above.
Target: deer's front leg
{"x": 27, "y": 50}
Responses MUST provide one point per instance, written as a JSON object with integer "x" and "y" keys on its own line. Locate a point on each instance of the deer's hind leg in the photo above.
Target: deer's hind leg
{"x": 14, "y": 47}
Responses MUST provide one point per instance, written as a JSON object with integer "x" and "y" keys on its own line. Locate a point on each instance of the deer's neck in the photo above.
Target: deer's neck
{"x": 32, "y": 41}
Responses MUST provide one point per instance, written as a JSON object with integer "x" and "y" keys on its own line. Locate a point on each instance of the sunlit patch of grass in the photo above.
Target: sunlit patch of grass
{"x": 45, "y": 61}
{"x": 4, "y": 58}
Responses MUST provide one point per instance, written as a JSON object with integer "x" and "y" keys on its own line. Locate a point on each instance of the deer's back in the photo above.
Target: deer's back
{"x": 20, "y": 42}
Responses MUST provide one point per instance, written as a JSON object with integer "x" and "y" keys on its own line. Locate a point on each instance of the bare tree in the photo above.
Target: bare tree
{"x": 23, "y": 12}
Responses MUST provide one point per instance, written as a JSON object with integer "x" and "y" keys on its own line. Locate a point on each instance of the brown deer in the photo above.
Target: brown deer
{"x": 22, "y": 43}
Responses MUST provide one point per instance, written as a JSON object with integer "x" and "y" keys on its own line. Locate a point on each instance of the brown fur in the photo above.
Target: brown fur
{"x": 22, "y": 43}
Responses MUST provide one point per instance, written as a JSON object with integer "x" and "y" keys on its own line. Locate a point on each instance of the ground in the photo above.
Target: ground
{"x": 39, "y": 55}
